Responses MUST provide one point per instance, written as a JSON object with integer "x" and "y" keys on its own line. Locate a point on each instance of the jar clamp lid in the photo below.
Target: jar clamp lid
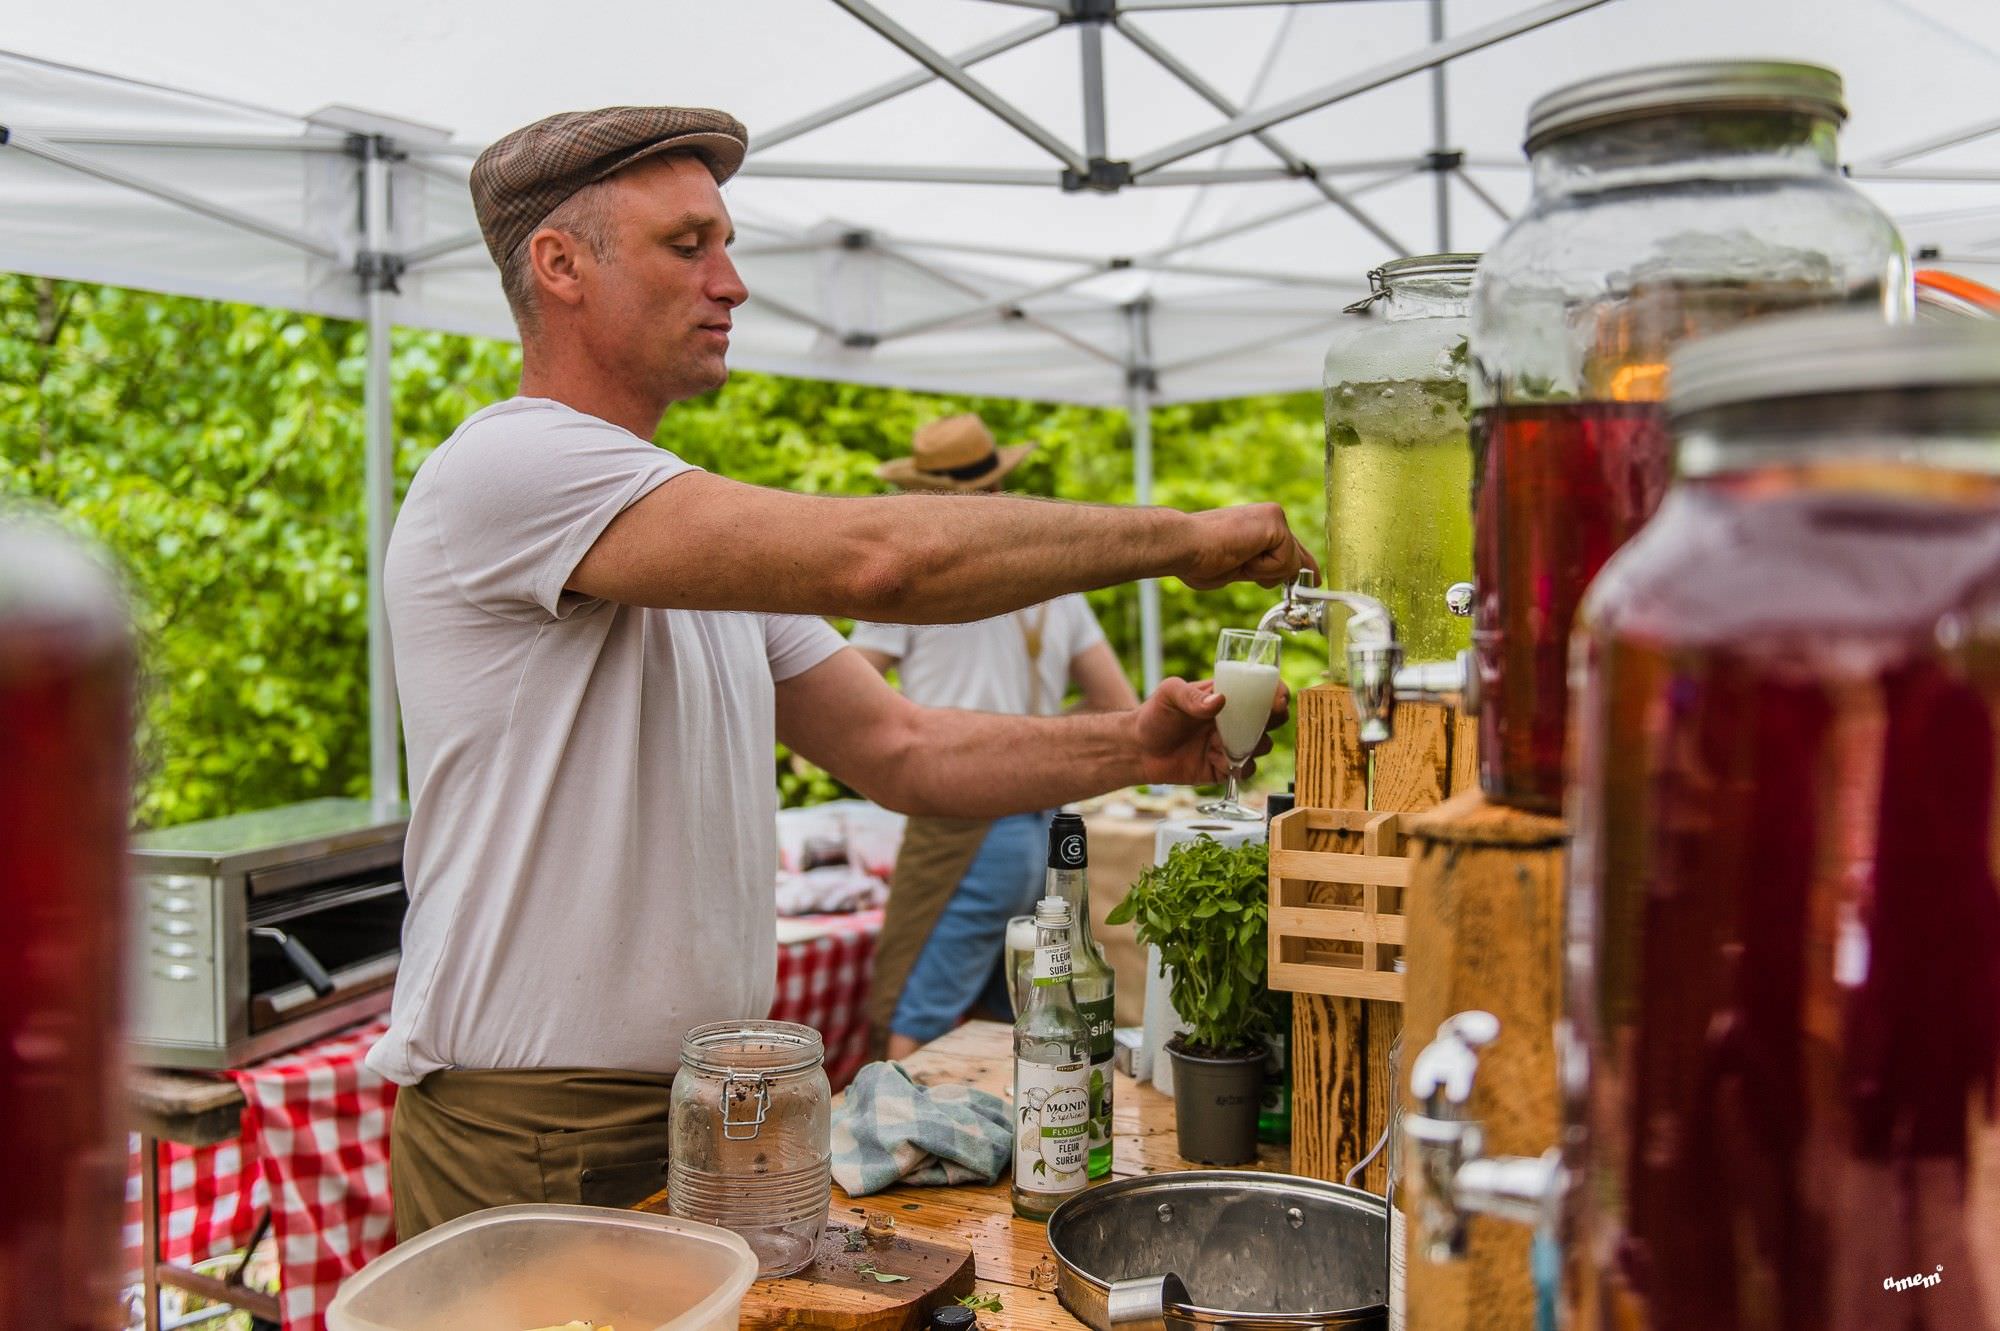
{"x": 1845, "y": 352}
{"x": 1414, "y": 268}
{"x": 1698, "y": 85}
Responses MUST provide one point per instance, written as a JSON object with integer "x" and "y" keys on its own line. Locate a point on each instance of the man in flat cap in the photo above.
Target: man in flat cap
{"x": 598, "y": 644}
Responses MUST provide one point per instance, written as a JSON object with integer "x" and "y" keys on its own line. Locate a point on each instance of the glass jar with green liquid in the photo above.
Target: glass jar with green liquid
{"x": 1399, "y": 455}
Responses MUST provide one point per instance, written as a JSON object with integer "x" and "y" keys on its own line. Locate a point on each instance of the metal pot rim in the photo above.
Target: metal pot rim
{"x": 1261, "y": 1180}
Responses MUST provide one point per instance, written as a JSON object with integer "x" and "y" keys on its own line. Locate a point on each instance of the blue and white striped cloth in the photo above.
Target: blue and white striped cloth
{"x": 890, "y": 1130}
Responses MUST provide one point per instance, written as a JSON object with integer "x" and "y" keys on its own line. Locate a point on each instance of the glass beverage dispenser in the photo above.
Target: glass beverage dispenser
{"x": 1398, "y": 462}
{"x": 1669, "y": 202}
{"x": 66, "y": 669}
{"x": 1781, "y": 1050}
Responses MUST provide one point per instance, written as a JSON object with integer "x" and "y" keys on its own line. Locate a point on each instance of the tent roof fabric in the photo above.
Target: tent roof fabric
{"x": 960, "y": 264}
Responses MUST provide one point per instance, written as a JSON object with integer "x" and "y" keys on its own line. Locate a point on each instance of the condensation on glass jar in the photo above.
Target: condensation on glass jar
{"x": 1783, "y": 920}
{"x": 751, "y": 1142}
{"x": 1398, "y": 462}
{"x": 1669, "y": 202}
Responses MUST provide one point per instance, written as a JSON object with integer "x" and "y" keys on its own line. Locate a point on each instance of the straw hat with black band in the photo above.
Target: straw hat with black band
{"x": 956, "y": 453}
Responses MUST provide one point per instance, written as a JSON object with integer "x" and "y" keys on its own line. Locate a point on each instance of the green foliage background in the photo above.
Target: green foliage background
{"x": 216, "y": 450}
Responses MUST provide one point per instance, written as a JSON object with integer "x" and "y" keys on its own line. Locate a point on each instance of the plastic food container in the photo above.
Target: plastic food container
{"x": 515, "y": 1268}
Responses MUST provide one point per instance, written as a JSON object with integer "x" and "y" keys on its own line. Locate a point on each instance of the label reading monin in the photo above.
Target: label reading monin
{"x": 1052, "y": 1144}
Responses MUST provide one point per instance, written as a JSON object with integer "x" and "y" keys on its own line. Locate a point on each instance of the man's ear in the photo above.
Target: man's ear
{"x": 557, "y": 260}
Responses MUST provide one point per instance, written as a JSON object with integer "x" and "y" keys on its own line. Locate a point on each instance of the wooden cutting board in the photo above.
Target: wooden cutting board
{"x": 835, "y": 1292}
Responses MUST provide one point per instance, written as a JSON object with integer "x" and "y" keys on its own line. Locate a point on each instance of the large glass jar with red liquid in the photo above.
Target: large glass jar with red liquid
{"x": 1783, "y": 989}
{"x": 65, "y": 739}
{"x": 1668, "y": 203}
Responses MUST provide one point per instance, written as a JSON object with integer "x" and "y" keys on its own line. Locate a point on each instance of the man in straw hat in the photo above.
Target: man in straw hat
{"x": 598, "y": 644}
{"x": 959, "y": 880}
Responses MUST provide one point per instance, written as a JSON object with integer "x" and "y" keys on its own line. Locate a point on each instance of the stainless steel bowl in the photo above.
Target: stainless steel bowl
{"x": 1255, "y": 1250}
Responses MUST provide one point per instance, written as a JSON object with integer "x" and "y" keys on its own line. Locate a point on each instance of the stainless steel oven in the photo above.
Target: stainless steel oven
{"x": 263, "y": 931}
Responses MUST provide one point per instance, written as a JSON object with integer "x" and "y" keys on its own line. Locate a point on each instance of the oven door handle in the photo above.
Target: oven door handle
{"x": 302, "y": 959}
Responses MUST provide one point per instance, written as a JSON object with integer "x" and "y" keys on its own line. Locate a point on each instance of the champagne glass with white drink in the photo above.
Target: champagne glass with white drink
{"x": 1246, "y": 675}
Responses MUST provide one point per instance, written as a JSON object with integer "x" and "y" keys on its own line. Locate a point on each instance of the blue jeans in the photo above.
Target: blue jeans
{"x": 960, "y": 964}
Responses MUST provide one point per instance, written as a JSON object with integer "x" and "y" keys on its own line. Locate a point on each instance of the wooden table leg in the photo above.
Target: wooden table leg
{"x": 149, "y": 1226}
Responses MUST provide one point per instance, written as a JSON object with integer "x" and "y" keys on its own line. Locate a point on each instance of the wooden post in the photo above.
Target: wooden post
{"x": 1484, "y": 919}
{"x": 1340, "y": 1046}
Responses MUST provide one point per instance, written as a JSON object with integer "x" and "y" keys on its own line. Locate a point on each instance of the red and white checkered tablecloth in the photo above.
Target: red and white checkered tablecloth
{"x": 825, "y": 963}
{"x": 315, "y": 1148}
{"x": 315, "y": 1142}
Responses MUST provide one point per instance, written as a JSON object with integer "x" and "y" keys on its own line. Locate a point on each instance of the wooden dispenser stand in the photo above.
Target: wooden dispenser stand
{"x": 1485, "y": 931}
{"x": 1335, "y": 938}
{"x": 1395, "y": 855}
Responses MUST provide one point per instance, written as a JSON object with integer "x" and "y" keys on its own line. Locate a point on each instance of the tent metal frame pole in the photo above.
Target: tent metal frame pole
{"x": 921, "y": 175}
{"x": 460, "y": 176}
{"x": 1936, "y": 143}
{"x": 1141, "y": 384}
{"x": 1217, "y": 175}
{"x": 1479, "y": 192}
{"x": 1214, "y": 96}
{"x": 1235, "y": 229}
{"x": 989, "y": 305}
{"x": 1440, "y": 135}
{"x": 1036, "y": 178}
{"x": 970, "y": 56}
{"x": 36, "y": 146}
{"x": 1475, "y": 39}
{"x": 1141, "y": 6}
{"x": 297, "y": 143}
{"x": 378, "y": 408}
{"x": 893, "y": 251}
{"x": 1931, "y": 175}
{"x": 1090, "y": 42}
{"x": 797, "y": 315}
{"x": 438, "y": 249}
{"x": 1257, "y": 343}
{"x": 1248, "y": 275}
{"x": 941, "y": 65}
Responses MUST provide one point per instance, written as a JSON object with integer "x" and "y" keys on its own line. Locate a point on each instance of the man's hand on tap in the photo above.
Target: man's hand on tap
{"x": 1177, "y": 739}
{"x": 1248, "y": 543}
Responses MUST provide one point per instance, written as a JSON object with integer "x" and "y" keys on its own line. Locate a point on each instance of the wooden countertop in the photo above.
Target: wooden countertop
{"x": 1006, "y": 1248}
{"x": 190, "y": 1108}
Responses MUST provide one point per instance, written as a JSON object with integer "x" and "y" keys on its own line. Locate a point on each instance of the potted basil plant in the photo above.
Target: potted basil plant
{"x": 1205, "y": 908}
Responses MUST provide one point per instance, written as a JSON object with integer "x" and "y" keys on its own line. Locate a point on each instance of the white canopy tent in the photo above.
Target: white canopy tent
{"x": 1118, "y": 202}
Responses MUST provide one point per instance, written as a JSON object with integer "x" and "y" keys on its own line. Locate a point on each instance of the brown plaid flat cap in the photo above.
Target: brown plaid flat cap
{"x": 521, "y": 178}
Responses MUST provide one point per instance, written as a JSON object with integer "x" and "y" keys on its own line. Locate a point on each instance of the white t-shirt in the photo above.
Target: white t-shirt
{"x": 983, "y": 666}
{"x": 592, "y": 840}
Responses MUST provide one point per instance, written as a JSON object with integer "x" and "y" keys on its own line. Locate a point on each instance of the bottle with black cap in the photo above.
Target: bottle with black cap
{"x": 951, "y": 1317}
{"x": 1090, "y": 975}
{"x": 1274, "y": 1107}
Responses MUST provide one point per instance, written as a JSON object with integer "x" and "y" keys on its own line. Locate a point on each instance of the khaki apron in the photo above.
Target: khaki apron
{"x": 462, "y": 1141}
{"x": 935, "y": 855}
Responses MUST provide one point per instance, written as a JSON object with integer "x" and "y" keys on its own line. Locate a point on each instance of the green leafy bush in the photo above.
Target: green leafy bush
{"x": 216, "y": 450}
{"x": 1206, "y": 909}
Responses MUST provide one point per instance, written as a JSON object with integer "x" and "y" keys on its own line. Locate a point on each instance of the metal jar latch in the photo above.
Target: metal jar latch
{"x": 755, "y": 1090}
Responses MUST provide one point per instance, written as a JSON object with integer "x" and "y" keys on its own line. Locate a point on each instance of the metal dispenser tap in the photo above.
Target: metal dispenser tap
{"x": 1375, "y": 671}
{"x": 1447, "y": 1148}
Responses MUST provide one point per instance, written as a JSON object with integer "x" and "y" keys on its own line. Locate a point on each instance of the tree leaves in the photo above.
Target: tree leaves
{"x": 216, "y": 450}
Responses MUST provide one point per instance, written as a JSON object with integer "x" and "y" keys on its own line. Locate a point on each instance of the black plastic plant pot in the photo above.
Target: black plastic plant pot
{"x": 1215, "y": 1105}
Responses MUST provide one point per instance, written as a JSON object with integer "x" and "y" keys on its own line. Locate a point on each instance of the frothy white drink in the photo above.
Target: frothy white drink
{"x": 1248, "y": 690}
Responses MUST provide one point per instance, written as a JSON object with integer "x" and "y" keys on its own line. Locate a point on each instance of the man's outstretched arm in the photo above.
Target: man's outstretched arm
{"x": 938, "y": 762}
{"x": 703, "y": 542}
